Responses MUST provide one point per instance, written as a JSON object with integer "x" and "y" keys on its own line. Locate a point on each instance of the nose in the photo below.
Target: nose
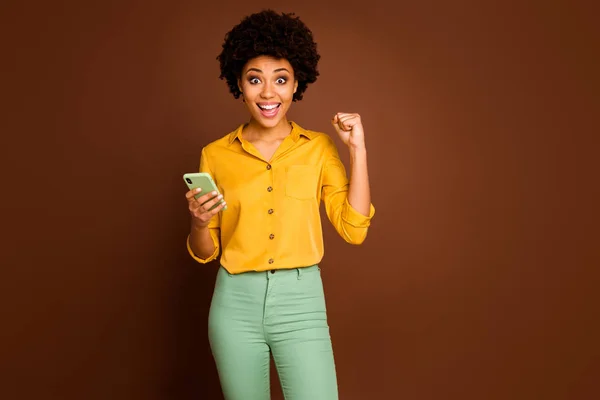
{"x": 267, "y": 91}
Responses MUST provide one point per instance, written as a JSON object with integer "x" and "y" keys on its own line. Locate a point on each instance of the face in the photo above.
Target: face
{"x": 268, "y": 86}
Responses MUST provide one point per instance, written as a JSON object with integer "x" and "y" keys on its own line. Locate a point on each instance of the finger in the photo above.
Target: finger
{"x": 210, "y": 211}
{"x": 347, "y": 117}
{"x": 209, "y": 204}
{"x": 350, "y": 121}
{"x": 354, "y": 118}
{"x": 189, "y": 195}
{"x": 218, "y": 208}
{"x": 196, "y": 207}
{"x": 206, "y": 197}
{"x": 342, "y": 115}
{"x": 347, "y": 123}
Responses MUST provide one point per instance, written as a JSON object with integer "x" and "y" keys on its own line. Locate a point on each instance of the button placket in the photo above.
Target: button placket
{"x": 270, "y": 212}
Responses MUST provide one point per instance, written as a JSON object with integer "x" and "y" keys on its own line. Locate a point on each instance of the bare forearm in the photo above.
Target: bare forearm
{"x": 201, "y": 242}
{"x": 359, "y": 194}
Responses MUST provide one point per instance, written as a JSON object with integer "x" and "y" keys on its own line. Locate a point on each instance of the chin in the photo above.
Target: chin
{"x": 268, "y": 122}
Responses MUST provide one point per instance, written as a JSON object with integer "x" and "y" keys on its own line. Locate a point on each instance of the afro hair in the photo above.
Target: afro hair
{"x": 268, "y": 33}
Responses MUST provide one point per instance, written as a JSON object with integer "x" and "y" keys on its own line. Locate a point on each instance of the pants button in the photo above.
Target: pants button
{"x": 272, "y": 271}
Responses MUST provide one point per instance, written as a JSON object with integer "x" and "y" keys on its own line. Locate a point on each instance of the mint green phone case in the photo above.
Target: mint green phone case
{"x": 201, "y": 180}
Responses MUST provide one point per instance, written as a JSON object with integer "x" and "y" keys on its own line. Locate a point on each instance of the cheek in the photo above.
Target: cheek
{"x": 246, "y": 89}
{"x": 288, "y": 94}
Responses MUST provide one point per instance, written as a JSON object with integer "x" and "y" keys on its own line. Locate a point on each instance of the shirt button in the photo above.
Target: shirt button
{"x": 268, "y": 166}
{"x": 271, "y": 236}
{"x": 271, "y": 261}
{"x": 270, "y": 189}
{"x": 270, "y": 211}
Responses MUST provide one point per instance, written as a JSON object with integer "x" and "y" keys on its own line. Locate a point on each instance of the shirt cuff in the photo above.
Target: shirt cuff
{"x": 212, "y": 257}
{"x": 356, "y": 219}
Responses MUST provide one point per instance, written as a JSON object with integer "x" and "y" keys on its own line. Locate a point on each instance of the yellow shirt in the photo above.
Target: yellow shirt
{"x": 272, "y": 219}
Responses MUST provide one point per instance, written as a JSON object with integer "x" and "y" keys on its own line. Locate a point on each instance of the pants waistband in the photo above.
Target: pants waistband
{"x": 299, "y": 271}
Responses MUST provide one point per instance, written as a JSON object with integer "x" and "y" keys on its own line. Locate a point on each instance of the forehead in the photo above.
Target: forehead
{"x": 268, "y": 64}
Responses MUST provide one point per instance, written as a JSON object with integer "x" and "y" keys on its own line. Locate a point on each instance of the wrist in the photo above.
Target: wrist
{"x": 357, "y": 151}
{"x": 198, "y": 226}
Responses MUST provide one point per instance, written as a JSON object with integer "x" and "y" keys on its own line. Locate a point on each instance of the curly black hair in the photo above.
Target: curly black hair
{"x": 270, "y": 34}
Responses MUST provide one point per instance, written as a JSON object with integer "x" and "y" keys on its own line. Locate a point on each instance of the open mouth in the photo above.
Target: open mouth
{"x": 269, "y": 110}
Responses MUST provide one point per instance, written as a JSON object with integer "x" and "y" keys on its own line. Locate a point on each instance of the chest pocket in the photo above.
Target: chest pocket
{"x": 302, "y": 181}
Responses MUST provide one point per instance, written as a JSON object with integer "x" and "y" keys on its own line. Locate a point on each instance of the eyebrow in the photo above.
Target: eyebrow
{"x": 274, "y": 71}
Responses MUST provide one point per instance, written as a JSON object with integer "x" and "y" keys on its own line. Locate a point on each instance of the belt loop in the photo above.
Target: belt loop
{"x": 299, "y": 273}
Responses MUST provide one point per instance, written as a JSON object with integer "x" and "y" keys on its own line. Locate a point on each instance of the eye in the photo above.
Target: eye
{"x": 254, "y": 81}
{"x": 281, "y": 81}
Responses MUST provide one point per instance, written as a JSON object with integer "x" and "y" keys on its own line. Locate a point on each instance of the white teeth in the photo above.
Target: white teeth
{"x": 269, "y": 107}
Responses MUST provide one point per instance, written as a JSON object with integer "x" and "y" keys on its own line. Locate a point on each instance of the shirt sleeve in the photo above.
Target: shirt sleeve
{"x": 349, "y": 223}
{"x": 214, "y": 225}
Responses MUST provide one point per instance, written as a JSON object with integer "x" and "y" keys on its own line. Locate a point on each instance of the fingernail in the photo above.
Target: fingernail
{"x": 220, "y": 196}
{"x": 198, "y": 190}
{"x": 213, "y": 193}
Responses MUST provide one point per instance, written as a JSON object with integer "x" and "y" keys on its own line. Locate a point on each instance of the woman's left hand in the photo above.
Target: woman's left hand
{"x": 350, "y": 129}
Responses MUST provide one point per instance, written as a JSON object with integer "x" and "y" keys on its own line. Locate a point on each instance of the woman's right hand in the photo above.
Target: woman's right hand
{"x": 200, "y": 208}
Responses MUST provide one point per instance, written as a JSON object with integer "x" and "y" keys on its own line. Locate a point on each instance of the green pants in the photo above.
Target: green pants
{"x": 255, "y": 314}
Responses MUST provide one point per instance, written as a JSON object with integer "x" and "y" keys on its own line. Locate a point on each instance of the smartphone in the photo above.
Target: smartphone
{"x": 204, "y": 181}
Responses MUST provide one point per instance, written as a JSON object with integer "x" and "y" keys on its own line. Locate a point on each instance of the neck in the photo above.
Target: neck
{"x": 253, "y": 131}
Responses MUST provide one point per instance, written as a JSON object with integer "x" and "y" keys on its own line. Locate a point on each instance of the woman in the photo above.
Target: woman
{"x": 272, "y": 174}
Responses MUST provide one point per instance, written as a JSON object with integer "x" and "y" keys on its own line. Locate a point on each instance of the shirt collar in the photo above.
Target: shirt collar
{"x": 297, "y": 131}
{"x": 237, "y": 134}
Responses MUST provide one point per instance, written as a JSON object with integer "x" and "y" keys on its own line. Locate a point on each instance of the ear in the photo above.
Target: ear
{"x": 239, "y": 83}
{"x": 295, "y": 86}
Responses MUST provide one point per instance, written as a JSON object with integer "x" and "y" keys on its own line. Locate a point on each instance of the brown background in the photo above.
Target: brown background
{"x": 478, "y": 279}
